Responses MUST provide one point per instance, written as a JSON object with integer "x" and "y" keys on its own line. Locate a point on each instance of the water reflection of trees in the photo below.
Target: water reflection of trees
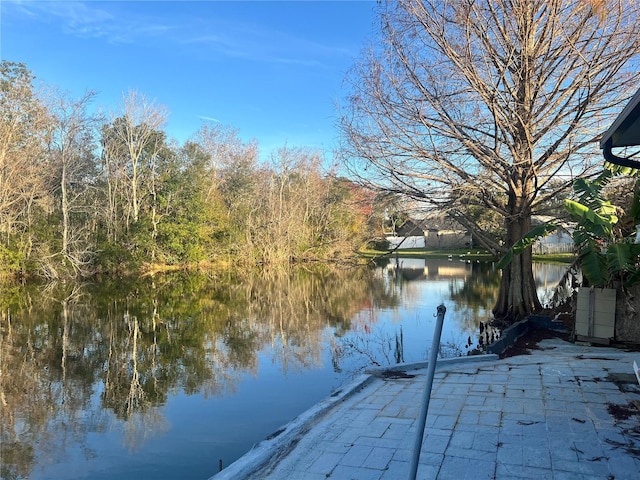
{"x": 473, "y": 288}
{"x": 45, "y": 379}
{"x": 81, "y": 359}
{"x": 474, "y": 298}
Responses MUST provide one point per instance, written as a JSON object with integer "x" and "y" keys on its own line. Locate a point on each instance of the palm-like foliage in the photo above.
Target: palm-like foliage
{"x": 606, "y": 252}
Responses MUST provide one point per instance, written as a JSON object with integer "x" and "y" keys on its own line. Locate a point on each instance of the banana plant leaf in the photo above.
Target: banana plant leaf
{"x": 537, "y": 232}
{"x": 619, "y": 257}
{"x": 633, "y": 277}
{"x": 605, "y": 216}
{"x": 594, "y": 267}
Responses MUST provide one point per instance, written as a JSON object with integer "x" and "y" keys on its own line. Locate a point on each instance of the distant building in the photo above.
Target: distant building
{"x": 559, "y": 241}
{"x": 434, "y": 232}
{"x": 410, "y": 228}
{"x": 442, "y": 232}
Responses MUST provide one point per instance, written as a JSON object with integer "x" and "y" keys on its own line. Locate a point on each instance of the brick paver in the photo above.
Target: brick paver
{"x": 544, "y": 415}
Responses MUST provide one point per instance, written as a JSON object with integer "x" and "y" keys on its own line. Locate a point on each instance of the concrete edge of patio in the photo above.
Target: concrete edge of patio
{"x": 284, "y": 438}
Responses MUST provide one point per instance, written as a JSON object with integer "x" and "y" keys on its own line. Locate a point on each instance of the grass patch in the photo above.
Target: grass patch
{"x": 555, "y": 258}
{"x": 421, "y": 253}
{"x": 475, "y": 254}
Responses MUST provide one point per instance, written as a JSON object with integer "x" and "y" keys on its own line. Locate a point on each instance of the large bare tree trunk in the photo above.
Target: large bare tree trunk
{"x": 517, "y": 295}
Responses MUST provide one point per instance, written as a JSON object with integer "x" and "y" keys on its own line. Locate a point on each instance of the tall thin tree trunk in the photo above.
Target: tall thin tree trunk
{"x": 65, "y": 208}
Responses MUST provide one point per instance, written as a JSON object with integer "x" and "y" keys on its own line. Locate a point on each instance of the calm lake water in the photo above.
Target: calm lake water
{"x": 166, "y": 377}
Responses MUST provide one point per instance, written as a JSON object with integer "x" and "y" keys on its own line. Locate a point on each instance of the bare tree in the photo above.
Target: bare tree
{"x": 221, "y": 144}
{"x": 475, "y": 105}
{"x": 130, "y": 144}
{"x": 72, "y": 157}
{"x": 22, "y": 154}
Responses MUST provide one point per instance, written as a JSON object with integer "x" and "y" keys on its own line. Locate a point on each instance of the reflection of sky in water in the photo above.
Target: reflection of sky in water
{"x": 187, "y": 435}
{"x": 547, "y": 277}
{"x": 415, "y": 319}
{"x": 422, "y": 285}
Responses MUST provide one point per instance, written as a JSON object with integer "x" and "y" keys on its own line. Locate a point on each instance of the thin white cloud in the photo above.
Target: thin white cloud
{"x": 209, "y": 119}
{"x": 89, "y": 19}
{"x": 253, "y": 41}
{"x": 120, "y": 23}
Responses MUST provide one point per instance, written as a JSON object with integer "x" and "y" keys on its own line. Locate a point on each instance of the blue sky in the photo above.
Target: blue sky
{"x": 274, "y": 70}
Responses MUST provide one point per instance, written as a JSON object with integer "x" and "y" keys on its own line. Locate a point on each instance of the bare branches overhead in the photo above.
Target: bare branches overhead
{"x": 485, "y": 104}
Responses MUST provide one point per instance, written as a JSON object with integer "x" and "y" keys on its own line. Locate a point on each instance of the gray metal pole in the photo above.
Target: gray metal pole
{"x": 433, "y": 356}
